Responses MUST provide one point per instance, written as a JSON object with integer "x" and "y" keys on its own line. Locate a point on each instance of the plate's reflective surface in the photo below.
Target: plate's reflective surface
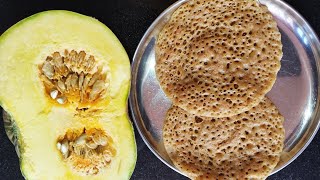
{"x": 295, "y": 92}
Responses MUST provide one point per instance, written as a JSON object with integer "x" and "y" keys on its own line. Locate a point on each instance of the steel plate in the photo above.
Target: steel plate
{"x": 295, "y": 92}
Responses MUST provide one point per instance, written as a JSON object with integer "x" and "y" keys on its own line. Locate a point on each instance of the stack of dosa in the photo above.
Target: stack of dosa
{"x": 216, "y": 60}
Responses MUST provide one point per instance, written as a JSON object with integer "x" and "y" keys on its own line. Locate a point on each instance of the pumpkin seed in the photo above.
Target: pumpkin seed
{"x": 54, "y": 94}
{"x": 65, "y": 148}
{"x": 59, "y": 146}
{"x": 61, "y": 100}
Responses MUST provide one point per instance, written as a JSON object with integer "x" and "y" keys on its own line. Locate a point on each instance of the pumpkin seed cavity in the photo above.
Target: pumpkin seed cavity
{"x": 87, "y": 151}
{"x": 73, "y": 77}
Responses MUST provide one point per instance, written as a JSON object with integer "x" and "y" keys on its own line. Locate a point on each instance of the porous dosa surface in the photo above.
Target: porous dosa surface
{"x": 218, "y": 58}
{"x": 247, "y": 145}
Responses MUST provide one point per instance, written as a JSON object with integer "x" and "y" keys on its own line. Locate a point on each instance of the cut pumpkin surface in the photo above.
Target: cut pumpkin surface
{"x": 64, "y": 80}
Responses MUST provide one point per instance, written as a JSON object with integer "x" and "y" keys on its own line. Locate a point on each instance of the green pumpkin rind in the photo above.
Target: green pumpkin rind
{"x": 12, "y": 130}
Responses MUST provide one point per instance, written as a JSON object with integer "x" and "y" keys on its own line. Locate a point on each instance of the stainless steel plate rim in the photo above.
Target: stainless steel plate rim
{"x": 136, "y": 115}
{"x": 132, "y": 96}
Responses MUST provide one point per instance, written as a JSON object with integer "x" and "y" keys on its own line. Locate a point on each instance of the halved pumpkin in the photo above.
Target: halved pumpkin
{"x": 64, "y": 81}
